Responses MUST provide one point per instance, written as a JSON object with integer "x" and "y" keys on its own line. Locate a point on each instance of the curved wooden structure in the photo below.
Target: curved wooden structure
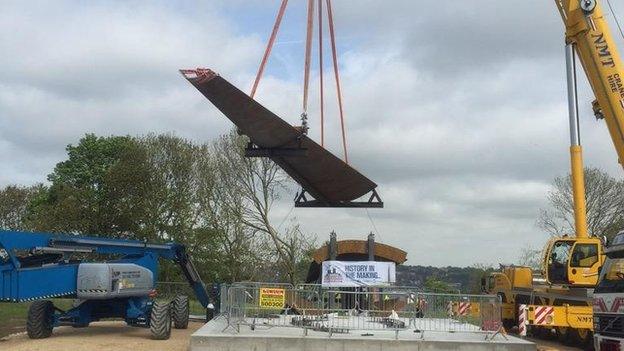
{"x": 353, "y": 250}
{"x": 359, "y": 248}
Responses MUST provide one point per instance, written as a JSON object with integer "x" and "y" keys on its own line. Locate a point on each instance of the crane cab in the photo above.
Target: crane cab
{"x": 573, "y": 261}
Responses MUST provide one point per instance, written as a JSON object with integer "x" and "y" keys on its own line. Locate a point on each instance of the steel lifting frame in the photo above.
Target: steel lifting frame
{"x": 374, "y": 201}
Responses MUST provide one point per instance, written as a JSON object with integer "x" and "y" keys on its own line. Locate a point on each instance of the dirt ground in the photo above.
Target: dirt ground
{"x": 543, "y": 345}
{"x": 11, "y": 326}
{"x": 113, "y": 336}
{"x": 102, "y": 336}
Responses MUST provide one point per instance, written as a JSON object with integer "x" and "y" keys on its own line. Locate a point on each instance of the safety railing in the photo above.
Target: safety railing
{"x": 311, "y": 307}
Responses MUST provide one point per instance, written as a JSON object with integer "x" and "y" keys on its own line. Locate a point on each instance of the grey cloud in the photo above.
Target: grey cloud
{"x": 456, "y": 108}
{"x": 454, "y": 37}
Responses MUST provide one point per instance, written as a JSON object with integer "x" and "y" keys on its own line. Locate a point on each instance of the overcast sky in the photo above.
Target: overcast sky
{"x": 457, "y": 109}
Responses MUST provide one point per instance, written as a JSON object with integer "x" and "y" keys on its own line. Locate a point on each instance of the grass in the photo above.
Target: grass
{"x": 13, "y": 315}
{"x": 196, "y": 308}
{"x": 10, "y": 311}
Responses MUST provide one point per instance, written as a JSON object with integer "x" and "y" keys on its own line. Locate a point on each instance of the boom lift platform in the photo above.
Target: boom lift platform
{"x": 39, "y": 266}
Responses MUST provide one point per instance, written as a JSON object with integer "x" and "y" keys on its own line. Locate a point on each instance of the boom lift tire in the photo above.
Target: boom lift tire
{"x": 160, "y": 320}
{"x": 40, "y": 319}
{"x": 180, "y": 311}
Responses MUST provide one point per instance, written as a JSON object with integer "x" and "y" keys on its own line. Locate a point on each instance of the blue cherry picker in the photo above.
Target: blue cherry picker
{"x": 39, "y": 266}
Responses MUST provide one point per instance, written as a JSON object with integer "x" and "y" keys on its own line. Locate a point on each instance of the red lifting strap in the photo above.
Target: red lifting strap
{"x": 330, "y": 19}
{"x": 267, "y": 52}
{"x": 308, "y": 52}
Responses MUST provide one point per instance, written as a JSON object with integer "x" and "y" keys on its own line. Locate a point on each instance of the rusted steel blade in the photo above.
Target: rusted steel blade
{"x": 324, "y": 176}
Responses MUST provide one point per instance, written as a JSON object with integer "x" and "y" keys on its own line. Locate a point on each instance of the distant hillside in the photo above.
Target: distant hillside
{"x": 464, "y": 279}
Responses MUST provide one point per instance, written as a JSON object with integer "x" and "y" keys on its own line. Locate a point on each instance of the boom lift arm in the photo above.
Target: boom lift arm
{"x": 47, "y": 254}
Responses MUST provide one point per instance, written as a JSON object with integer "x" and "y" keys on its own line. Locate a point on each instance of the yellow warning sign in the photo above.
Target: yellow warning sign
{"x": 272, "y": 298}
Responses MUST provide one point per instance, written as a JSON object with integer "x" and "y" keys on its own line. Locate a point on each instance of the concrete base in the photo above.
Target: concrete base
{"x": 215, "y": 336}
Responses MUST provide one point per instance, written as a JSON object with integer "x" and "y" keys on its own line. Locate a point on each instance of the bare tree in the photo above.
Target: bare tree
{"x": 298, "y": 248}
{"x": 530, "y": 257}
{"x": 243, "y": 251}
{"x": 253, "y": 185}
{"x": 605, "y": 205}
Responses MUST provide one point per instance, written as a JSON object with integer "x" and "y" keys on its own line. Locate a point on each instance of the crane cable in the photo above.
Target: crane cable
{"x": 330, "y": 19}
{"x": 267, "y": 51}
{"x": 308, "y": 51}
{"x": 320, "y": 40}
{"x": 616, "y": 18}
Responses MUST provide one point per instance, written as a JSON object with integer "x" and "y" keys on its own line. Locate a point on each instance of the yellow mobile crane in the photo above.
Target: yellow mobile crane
{"x": 562, "y": 300}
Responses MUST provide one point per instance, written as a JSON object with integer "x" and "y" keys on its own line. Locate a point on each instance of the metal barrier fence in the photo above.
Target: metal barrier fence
{"x": 169, "y": 290}
{"x": 310, "y": 307}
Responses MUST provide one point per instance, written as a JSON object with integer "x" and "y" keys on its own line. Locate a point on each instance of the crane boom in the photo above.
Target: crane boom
{"x": 588, "y": 31}
{"x": 571, "y": 265}
{"x": 576, "y": 150}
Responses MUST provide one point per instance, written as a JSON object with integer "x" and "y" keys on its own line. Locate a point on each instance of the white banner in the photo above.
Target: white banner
{"x": 358, "y": 273}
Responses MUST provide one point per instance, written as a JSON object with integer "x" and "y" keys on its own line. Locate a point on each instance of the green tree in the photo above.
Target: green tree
{"x": 177, "y": 202}
{"x": 89, "y": 162}
{"x": 154, "y": 188}
{"x": 432, "y": 284}
{"x": 15, "y": 206}
{"x": 476, "y": 273}
{"x": 78, "y": 200}
{"x": 166, "y": 188}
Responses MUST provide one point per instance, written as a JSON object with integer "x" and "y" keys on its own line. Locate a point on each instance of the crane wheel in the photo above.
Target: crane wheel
{"x": 40, "y": 319}
{"x": 582, "y": 338}
{"x": 509, "y": 324}
{"x": 160, "y": 320}
{"x": 563, "y": 335}
{"x": 180, "y": 311}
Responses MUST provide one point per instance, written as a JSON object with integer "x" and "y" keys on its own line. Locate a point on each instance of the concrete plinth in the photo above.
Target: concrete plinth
{"x": 216, "y": 336}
